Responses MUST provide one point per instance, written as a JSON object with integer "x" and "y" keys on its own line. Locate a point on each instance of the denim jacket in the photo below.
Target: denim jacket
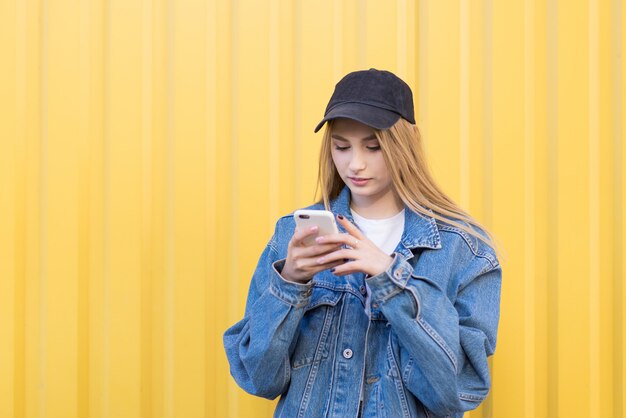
{"x": 419, "y": 349}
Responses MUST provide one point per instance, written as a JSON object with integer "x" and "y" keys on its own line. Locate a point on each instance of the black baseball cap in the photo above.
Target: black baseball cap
{"x": 377, "y": 98}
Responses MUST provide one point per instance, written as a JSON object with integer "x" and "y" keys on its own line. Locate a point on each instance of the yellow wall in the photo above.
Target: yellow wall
{"x": 148, "y": 146}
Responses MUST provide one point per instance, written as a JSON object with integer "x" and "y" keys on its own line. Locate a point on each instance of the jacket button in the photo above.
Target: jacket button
{"x": 398, "y": 273}
{"x": 372, "y": 379}
{"x": 347, "y": 353}
{"x": 363, "y": 290}
{"x": 308, "y": 293}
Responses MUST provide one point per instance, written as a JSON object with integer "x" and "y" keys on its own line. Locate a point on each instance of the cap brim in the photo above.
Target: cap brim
{"x": 373, "y": 116}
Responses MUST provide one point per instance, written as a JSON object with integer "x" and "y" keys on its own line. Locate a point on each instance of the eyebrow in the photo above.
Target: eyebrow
{"x": 341, "y": 138}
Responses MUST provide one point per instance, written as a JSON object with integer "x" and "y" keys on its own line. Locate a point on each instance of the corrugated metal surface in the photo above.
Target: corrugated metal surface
{"x": 147, "y": 148}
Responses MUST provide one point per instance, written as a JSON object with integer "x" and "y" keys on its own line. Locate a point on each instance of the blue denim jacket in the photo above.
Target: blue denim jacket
{"x": 418, "y": 350}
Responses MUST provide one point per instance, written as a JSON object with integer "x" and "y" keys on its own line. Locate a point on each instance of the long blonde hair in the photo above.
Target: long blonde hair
{"x": 402, "y": 150}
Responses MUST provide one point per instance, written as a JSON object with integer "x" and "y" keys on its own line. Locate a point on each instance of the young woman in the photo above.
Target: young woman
{"x": 396, "y": 315}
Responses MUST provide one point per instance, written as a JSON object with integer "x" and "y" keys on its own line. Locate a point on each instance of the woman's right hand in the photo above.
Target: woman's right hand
{"x": 301, "y": 263}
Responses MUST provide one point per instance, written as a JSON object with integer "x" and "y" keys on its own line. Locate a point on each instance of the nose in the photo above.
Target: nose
{"x": 357, "y": 162}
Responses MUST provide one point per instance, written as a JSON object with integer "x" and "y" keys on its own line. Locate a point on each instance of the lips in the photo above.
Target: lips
{"x": 359, "y": 181}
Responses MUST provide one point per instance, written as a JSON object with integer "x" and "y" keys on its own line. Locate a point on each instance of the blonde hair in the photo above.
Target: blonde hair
{"x": 404, "y": 157}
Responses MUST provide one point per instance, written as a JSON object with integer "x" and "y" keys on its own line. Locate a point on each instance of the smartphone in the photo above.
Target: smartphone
{"x": 323, "y": 219}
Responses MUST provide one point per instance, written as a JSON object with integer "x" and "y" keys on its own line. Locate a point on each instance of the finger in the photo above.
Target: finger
{"x": 300, "y": 235}
{"x": 318, "y": 250}
{"x": 346, "y": 239}
{"x": 338, "y": 255}
{"x": 350, "y": 227}
{"x": 331, "y": 266}
{"x": 313, "y": 267}
{"x": 344, "y": 269}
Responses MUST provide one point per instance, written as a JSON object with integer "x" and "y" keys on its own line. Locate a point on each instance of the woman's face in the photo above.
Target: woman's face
{"x": 359, "y": 161}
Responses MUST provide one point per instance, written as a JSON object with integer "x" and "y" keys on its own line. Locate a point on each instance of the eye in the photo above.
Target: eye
{"x": 374, "y": 148}
{"x": 338, "y": 148}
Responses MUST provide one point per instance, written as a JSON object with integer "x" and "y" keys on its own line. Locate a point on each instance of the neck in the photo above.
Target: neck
{"x": 379, "y": 207}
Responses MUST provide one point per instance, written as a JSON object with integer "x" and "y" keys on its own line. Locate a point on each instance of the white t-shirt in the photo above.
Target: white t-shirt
{"x": 385, "y": 233}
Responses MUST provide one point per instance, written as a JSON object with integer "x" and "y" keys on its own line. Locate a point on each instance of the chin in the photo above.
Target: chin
{"x": 362, "y": 192}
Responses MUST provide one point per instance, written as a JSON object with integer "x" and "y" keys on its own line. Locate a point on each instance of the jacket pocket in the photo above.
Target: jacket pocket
{"x": 315, "y": 326}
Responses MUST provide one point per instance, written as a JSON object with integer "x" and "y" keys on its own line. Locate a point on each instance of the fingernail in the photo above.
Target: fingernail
{"x": 340, "y": 216}
{"x": 319, "y": 239}
{"x": 313, "y": 228}
{"x": 320, "y": 260}
{"x": 332, "y": 270}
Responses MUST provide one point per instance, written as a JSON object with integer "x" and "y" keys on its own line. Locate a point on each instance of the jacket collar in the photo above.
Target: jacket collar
{"x": 419, "y": 230}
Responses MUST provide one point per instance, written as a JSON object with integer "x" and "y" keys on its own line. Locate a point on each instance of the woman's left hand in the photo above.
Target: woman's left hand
{"x": 363, "y": 255}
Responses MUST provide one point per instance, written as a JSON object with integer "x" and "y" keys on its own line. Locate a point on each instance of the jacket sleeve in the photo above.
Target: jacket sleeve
{"x": 444, "y": 344}
{"x": 258, "y": 346}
